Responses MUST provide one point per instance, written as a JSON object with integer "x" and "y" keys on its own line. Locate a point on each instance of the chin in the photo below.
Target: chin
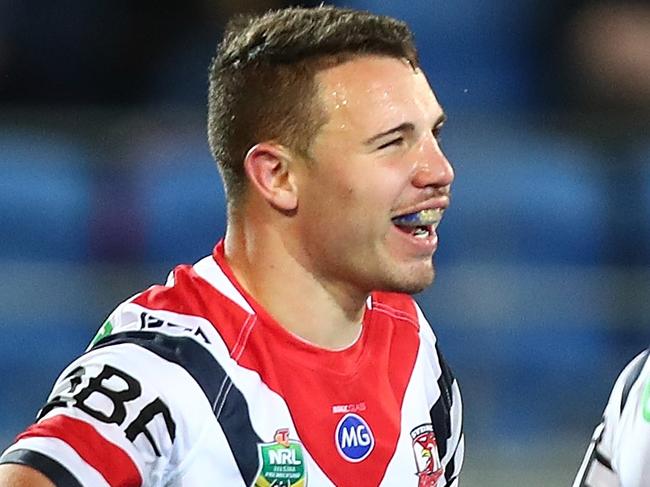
{"x": 411, "y": 283}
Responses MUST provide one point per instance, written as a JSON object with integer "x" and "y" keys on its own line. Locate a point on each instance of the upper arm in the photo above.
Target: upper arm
{"x": 112, "y": 419}
{"x": 15, "y": 475}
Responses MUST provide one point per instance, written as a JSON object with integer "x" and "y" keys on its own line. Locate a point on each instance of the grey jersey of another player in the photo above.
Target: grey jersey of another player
{"x": 619, "y": 453}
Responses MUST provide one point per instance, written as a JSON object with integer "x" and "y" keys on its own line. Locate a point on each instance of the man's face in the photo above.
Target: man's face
{"x": 377, "y": 157}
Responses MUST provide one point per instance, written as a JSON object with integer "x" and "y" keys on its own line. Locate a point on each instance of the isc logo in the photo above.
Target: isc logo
{"x": 354, "y": 439}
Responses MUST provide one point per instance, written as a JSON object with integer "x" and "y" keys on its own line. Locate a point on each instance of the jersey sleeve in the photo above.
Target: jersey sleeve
{"x": 450, "y": 406}
{"x": 447, "y": 411}
{"x": 116, "y": 417}
{"x": 619, "y": 452}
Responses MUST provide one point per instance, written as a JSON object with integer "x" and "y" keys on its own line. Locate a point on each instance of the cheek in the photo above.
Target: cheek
{"x": 334, "y": 191}
{"x": 361, "y": 197}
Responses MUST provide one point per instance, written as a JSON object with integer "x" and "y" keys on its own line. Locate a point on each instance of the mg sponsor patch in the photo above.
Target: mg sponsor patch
{"x": 281, "y": 462}
{"x": 354, "y": 438}
{"x": 427, "y": 461}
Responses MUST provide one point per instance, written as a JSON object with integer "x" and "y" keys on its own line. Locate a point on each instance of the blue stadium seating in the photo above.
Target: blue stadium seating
{"x": 35, "y": 353}
{"x": 45, "y": 197}
{"x": 527, "y": 209}
{"x": 640, "y": 161}
{"x": 477, "y": 54}
{"x": 522, "y": 195}
{"x": 180, "y": 198}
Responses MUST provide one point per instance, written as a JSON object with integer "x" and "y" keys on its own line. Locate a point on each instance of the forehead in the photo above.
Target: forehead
{"x": 375, "y": 92}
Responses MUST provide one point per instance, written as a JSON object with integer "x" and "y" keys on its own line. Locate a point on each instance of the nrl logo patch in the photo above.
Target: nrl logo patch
{"x": 281, "y": 462}
{"x": 427, "y": 460}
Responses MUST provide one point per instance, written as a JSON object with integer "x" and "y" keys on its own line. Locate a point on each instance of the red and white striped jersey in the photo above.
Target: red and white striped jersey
{"x": 194, "y": 384}
{"x": 619, "y": 453}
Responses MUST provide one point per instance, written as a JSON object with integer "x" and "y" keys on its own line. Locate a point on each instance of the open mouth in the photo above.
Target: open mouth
{"x": 420, "y": 224}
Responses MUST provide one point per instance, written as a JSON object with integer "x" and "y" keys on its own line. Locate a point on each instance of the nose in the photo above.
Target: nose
{"x": 432, "y": 168}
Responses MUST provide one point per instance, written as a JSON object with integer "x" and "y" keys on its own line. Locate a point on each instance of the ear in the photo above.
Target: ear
{"x": 269, "y": 170}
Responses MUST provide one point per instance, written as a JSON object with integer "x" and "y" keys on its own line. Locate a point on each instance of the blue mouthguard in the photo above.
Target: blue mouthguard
{"x": 417, "y": 219}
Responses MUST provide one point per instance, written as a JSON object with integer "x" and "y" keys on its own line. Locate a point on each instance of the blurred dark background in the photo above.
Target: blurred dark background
{"x": 543, "y": 287}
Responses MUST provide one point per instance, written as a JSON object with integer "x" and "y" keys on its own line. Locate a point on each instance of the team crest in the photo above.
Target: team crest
{"x": 427, "y": 460}
{"x": 281, "y": 462}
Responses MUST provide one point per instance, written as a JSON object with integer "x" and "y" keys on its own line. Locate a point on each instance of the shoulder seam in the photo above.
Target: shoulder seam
{"x": 396, "y": 313}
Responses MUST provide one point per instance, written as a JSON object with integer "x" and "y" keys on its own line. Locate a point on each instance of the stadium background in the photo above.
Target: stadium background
{"x": 106, "y": 182}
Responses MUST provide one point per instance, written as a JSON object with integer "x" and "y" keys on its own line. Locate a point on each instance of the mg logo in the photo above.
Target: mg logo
{"x": 354, "y": 439}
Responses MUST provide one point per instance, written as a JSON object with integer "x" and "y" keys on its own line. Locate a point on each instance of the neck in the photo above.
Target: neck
{"x": 324, "y": 313}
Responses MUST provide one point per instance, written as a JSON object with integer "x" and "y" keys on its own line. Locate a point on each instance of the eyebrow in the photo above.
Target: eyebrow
{"x": 403, "y": 127}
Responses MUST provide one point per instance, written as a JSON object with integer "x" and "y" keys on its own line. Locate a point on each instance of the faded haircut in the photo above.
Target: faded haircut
{"x": 262, "y": 79}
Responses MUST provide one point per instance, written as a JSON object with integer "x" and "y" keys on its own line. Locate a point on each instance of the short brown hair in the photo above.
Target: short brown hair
{"x": 262, "y": 78}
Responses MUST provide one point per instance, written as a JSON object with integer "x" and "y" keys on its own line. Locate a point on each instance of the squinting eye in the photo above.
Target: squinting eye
{"x": 396, "y": 142}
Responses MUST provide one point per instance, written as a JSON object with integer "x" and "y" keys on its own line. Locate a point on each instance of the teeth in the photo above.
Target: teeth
{"x": 420, "y": 218}
{"x": 421, "y": 232}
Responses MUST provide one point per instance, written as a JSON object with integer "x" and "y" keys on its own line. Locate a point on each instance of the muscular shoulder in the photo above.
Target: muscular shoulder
{"x": 121, "y": 412}
{"x": 195, "y": 301}
{"x": 137, "y": 403}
